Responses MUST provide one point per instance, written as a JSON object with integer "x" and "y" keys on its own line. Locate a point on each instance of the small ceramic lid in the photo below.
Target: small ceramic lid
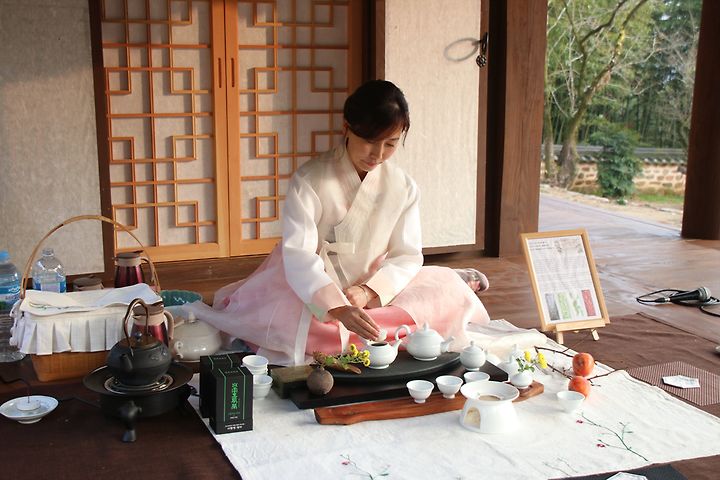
{"x": 472, "y": 348}
{"x": 426, "y": 333}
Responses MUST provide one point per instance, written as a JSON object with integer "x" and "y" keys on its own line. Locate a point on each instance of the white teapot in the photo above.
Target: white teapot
{"x": 382, "y": 352}
{"x": 425, "y": 344}
{"x": 193, "y": 339}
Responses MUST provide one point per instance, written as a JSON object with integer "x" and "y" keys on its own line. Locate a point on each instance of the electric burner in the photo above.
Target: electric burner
{"x": 130, "y": 402}
{"x": 114, "y": 385}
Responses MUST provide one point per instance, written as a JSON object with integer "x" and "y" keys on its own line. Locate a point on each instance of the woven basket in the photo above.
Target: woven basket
{"x": 66, "y": 365}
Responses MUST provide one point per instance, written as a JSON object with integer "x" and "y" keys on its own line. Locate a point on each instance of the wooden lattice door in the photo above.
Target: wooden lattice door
{"x": 211, "y": 106}
{"x": 296, "y": 62}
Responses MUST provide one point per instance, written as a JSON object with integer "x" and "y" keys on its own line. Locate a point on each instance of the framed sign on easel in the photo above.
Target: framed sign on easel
{"x": 565, "y": 282}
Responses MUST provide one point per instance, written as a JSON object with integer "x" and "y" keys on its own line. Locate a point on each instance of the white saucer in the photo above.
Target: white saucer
{"x": 10, "y": 410}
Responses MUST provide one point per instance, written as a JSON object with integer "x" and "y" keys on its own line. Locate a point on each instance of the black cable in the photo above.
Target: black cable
{"x": 659, "y": 297}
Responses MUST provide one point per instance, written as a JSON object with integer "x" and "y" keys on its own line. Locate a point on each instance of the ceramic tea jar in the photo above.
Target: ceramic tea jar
{"x": 319, "y": 381}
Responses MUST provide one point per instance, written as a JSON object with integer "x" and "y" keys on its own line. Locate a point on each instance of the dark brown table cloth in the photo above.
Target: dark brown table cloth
{"x": 77, "y": 441}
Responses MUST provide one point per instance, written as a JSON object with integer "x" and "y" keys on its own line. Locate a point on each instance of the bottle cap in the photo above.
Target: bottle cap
{"x": 47, "y": 251}
{"x": 4, "y": 255}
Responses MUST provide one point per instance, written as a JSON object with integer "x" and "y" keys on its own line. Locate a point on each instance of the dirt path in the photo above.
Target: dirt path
{"x": 663, "y": 214}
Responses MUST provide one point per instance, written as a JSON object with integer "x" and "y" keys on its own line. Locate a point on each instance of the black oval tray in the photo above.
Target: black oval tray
{"x": 404, "y": 367}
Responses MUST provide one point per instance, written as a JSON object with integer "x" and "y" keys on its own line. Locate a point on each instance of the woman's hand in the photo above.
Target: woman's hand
{"x": 360, "y": 295}
{"x": 356, "y": 320}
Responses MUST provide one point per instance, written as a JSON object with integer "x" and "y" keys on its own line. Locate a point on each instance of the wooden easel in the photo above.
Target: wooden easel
{"x": 546, "y": 253}
{"x": 559, "y": 338}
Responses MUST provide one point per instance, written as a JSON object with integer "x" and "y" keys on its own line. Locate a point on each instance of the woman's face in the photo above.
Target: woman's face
{"x": 366, "y": 155}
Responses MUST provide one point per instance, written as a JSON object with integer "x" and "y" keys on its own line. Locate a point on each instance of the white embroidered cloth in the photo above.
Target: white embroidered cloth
{"x": 654, "y": 426}
{"x": 89, "y": 321}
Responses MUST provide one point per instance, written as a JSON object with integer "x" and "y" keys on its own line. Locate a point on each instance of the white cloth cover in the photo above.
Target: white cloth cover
{"x": 89, "y": 321}
{"x": 289, "y": 443}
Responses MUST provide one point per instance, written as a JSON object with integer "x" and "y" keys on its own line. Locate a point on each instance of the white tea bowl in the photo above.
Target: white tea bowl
{"x": 257, "y": 364}
{"x": 420, "y": 390}
{"x": 476, "y": 377}
{"x": 570, "y": 400}
{"x": 261, "y": 386}
{"x": 449, "y": 385}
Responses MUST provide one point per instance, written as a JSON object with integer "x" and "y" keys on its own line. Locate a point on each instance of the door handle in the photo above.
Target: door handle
{"x": 220, "y": 72}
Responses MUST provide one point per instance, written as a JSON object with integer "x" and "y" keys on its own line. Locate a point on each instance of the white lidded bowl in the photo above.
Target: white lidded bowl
{"x": 449, "y": 385}
{"x": 420, "y": 389}
{"x": 261, "y": 386}
{"x": 489, "y": 407}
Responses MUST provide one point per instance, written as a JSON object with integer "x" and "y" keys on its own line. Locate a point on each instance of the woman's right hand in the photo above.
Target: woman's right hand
{"x": 356, "y": 320}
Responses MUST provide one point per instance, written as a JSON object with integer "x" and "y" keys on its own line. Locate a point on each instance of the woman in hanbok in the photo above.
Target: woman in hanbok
{"x": 349, "y": 265}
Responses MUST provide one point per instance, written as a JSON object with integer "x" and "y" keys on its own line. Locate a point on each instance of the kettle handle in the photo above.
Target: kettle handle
{"x": 128, "y": 314}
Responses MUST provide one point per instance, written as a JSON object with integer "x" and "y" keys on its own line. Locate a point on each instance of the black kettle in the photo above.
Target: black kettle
{"x": 139, "y": 360}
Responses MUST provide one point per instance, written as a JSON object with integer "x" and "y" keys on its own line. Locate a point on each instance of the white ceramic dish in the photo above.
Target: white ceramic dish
{"x": 570, "y": 401}
{"x": 476, "y": 377}
{"x": 261, "y": 386}
{"x": 489, "y": 407}
{"x": 449, "y": 385}
{"x": 16, "y": 409}
{"x": 420, "y": 390}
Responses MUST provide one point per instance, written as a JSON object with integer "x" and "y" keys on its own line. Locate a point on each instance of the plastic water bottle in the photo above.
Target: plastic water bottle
{"x": 48, "y": 273}
{"x": 9, "y": 294}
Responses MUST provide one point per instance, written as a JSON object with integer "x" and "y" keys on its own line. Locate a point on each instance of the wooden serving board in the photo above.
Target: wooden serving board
{"x": 404, "y": 407}
{"x": 387, "y": 409}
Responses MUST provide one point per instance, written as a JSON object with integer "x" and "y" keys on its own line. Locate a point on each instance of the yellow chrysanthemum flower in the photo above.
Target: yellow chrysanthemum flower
{"x": 353, "y": 349}
{"x": 541, "y": 360}
{"x": 365, "y": 353}
{"x": 366, "y": 362}
{"x": 528, "y": 356}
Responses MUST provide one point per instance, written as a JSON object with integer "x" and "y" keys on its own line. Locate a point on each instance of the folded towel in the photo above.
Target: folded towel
{"x": 42, "y": 303}
{"x": 499, "y": 338}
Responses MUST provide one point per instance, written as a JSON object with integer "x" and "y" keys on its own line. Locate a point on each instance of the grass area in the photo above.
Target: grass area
{"x": 661, "y": 197}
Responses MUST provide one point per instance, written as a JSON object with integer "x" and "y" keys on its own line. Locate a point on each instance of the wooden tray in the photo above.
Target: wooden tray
{"x": 404, "y": 407}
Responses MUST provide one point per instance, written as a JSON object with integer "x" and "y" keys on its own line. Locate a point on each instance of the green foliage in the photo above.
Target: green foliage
{"x": 651, "y": 83}
{"x": 618, "y": 165}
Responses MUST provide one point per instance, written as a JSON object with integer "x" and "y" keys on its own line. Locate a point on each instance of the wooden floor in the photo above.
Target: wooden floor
{"x": 633, "y": 257}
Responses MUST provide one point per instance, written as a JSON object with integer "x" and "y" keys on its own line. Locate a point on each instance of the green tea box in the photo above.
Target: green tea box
{"x": 208, "y": 363}
{"x": 232, "y": 411}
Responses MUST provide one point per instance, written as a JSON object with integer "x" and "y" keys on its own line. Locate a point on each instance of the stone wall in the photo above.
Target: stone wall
{"x": 662, "y": 169}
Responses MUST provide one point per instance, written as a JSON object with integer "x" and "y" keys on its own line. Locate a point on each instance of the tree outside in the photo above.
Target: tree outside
{"x": 625, "y": 63}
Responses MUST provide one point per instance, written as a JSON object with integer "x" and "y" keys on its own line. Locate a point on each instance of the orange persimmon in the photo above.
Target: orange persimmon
{"x": 583, "y": 364}
{"x": 580, "y": 384}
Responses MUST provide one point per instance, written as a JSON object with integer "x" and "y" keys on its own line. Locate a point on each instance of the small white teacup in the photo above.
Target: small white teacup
{"x": 449, "y": 385}
{"x": 476, "y": 377}
{"x": 570, "y": 401}
{"x": 420, "y": 390}
{"x": 261, "y": 386}
{"x": 257, "y": 364}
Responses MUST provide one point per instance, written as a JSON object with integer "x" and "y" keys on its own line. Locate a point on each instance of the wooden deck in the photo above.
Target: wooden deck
{"x": 633, "y": 257}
